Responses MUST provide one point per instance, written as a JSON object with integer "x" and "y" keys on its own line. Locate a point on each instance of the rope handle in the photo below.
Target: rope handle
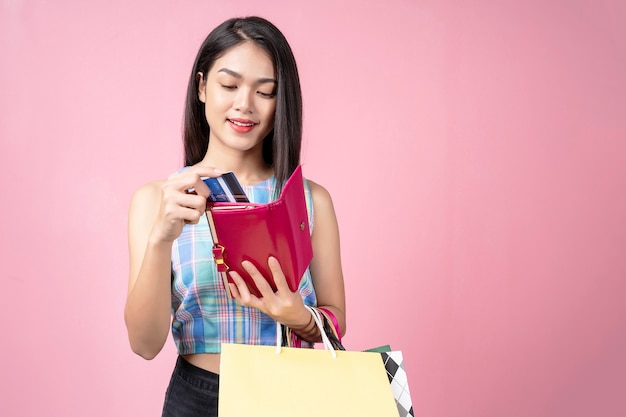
{"x": 318, "y": 321}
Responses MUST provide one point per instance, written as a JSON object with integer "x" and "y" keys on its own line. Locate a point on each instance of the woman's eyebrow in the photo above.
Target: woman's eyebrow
{"x": 239, "y": 76}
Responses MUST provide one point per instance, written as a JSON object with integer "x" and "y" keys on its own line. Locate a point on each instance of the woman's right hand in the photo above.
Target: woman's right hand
{"x": 183, "y": 201}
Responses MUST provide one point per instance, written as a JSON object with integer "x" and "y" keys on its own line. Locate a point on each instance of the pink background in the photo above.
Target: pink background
{"x": 475, "y": 151}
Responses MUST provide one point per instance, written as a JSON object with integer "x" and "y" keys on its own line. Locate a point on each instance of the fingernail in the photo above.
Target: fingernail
{"x": 217, "y": 171}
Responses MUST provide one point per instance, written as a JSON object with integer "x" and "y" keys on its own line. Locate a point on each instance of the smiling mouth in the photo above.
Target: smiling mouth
{"x": 242, "y": 124}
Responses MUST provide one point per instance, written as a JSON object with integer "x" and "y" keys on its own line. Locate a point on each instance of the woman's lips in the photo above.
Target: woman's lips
{"x": 241, "y": 125}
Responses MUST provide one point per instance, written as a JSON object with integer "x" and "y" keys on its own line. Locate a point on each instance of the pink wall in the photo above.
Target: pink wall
{"x": 476, "y": 154}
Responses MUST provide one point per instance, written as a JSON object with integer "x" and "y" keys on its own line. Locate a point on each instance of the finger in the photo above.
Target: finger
{"x": 204, "y": 171}
{"x": 234, "y": 291}
{"x": 188, "y": 215}
{"x": 244, "y": 295}
{"x": 200, "y": 188}
{"x": 277, "y": 273}
{"x": 184, "y": 185}
{"x": 182, "y": 207}
{"x": 259, "y": 280}
{"x": 200, "y": 171}
{"x": 192, "y": 221}
{"x": 191, "y": 184}
{"x": 193, "y": 201}
{"x": 190, "y": 180}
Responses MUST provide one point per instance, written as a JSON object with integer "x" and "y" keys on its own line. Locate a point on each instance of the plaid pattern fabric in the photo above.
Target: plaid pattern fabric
{"x": 203, "y": 315}
{"x": 394, "y": 364}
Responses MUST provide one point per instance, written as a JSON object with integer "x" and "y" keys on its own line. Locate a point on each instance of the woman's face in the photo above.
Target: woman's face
{"x": 239, "y": 93}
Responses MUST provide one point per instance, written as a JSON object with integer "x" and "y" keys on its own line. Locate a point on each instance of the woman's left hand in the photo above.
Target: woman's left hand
{"x": 284, "y": 305}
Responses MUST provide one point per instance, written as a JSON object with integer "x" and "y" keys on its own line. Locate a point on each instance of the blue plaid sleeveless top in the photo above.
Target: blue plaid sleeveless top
{"x": 203, "y": 315}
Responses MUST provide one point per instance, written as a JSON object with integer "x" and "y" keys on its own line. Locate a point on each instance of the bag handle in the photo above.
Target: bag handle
{"x": 318, "y": 321}
{"x": 332, "y": 327}
{"x": 330, "y": 317}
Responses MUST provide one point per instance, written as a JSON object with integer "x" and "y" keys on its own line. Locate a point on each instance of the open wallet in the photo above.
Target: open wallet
{"x": 254, "y": 232}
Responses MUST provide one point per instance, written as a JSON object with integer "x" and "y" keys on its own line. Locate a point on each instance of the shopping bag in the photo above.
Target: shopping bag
{"x": 281, "y": 381}
{"x": 393, "y": 360}
{"x": 394, "y": 365}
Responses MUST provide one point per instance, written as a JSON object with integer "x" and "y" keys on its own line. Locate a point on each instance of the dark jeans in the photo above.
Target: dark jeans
{"x": 192, "y": 392}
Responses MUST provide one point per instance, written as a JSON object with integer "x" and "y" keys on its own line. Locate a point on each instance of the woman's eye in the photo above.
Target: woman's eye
{"x": 266, "y": 95}
{"x": 229, "y": 87}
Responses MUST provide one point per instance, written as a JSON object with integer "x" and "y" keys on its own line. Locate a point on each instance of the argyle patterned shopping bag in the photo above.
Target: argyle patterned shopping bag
{"x": 394, "y": 364}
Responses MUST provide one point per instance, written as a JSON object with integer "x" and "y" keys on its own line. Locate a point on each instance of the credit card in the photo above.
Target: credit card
{"x": 225, "y": 189}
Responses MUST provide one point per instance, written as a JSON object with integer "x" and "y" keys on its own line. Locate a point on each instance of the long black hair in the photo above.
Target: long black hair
{"x": 281, "y": 147}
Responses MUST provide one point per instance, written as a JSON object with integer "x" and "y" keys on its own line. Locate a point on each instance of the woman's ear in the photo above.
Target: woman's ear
{"x": 201, "y": 87}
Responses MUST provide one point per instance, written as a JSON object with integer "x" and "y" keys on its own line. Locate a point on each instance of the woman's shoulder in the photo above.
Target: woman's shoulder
{"x": 148, "y": 193}
{"x": 320, "y": 195}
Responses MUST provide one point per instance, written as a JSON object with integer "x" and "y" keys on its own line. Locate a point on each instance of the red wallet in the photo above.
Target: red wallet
{"x": 254, "y": 232}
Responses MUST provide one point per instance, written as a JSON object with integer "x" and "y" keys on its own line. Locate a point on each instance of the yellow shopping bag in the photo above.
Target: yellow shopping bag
{"x": 268, "y": 381}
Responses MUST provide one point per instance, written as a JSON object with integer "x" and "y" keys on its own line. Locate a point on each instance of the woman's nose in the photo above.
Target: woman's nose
{"x": 243, "y": 101}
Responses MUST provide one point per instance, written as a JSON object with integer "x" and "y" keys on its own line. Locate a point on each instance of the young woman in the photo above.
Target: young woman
{"x": 243, "y": 114}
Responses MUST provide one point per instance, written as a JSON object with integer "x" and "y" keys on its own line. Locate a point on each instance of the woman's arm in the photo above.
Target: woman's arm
{"x": 326, "y": 264}
{"x": 158, "y": 212}
{"x": 148, "y": 303}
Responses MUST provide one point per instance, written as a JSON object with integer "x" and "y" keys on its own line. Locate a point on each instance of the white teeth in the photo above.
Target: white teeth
{"x": 242, "y": 124}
